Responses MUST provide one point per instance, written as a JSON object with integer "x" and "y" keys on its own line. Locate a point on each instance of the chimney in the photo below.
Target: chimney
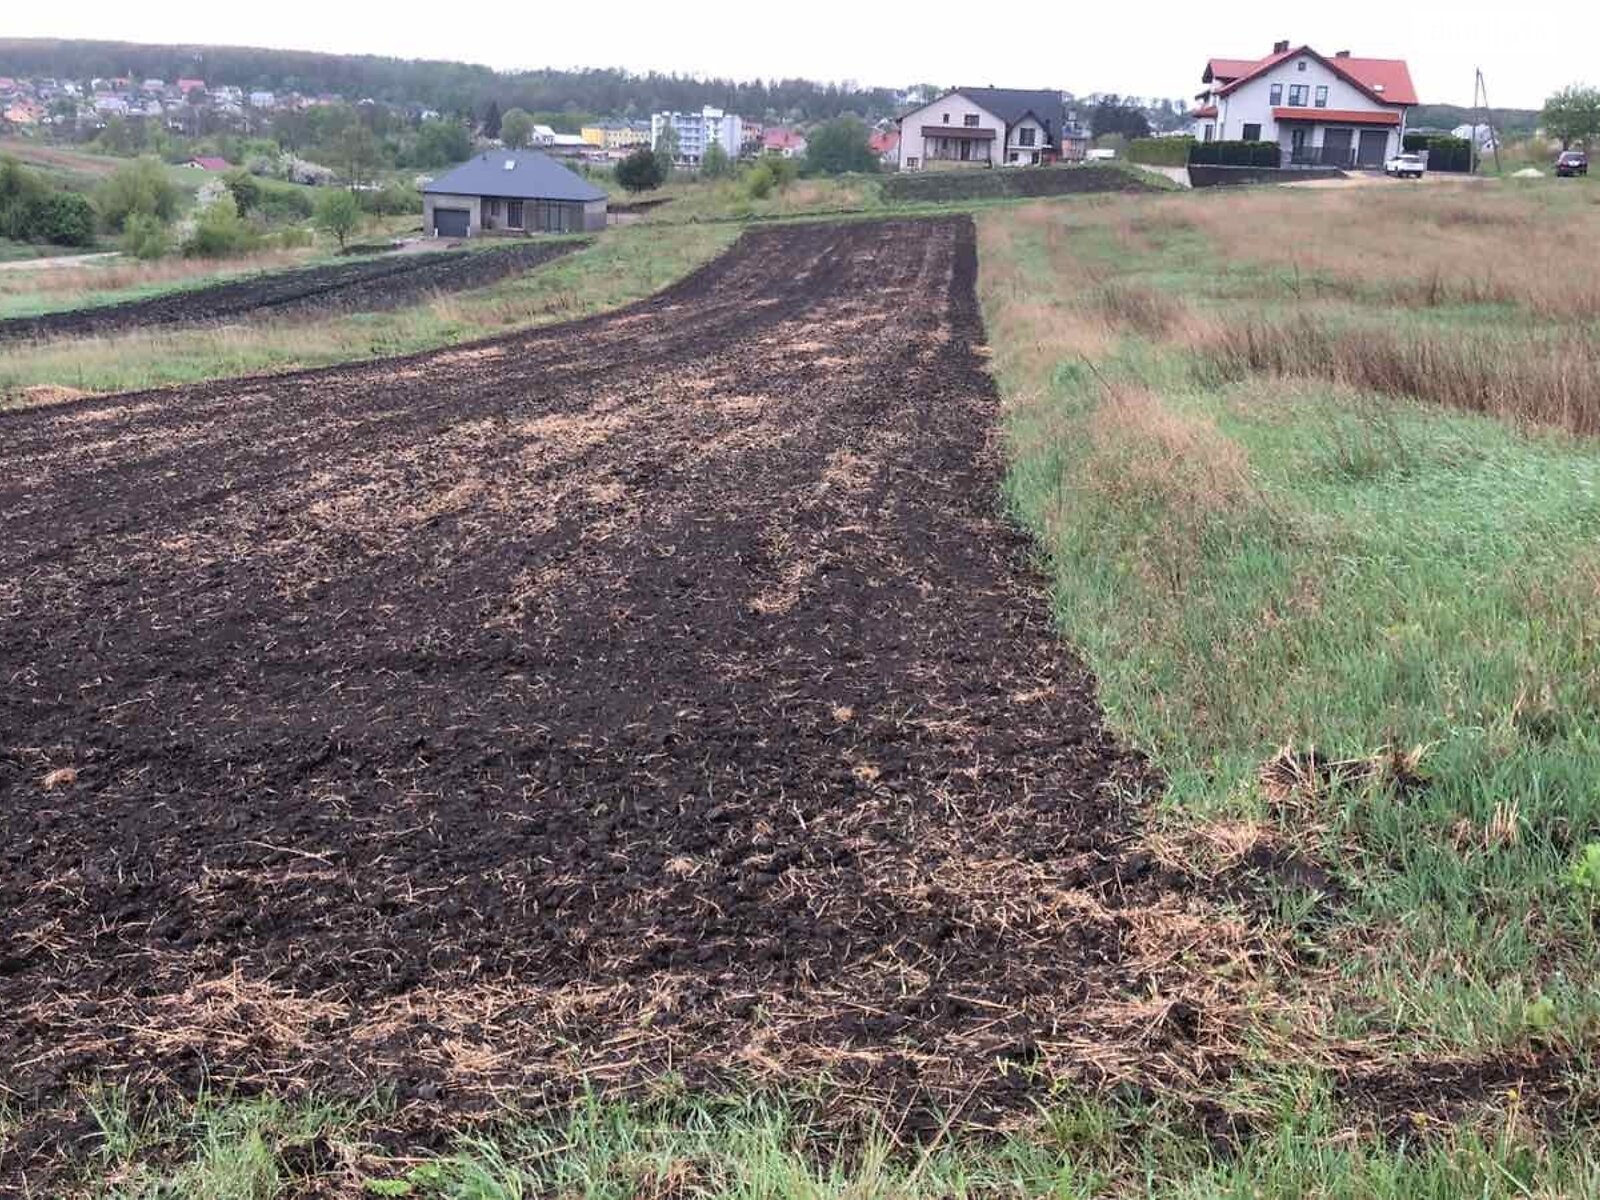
{"x": 1280, "y": 47}
{"x": 1342, "y": 54}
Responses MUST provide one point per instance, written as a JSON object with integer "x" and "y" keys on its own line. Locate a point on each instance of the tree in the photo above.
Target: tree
{"x": 1573, "y": 115}
{"x": 339, "y": 214}
{"x": 1115, "y": 115}
{"x": 491, "y": 120}
{"x": 140, "y": 187}
{"x": 716, "y": 164}
{"x": 666, "y": 149}
{"x": 839, "y": 146}
{"x": 639, "y": 172}
{"x": 245, "y": 188}
{"x": 516, "y": 129}
{"x": 357, "y": 151}
{"x": 441, "y": 143}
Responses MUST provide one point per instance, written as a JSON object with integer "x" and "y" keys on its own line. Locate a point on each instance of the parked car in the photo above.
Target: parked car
{"x": 1409, "y": 165}
{"x": 1572, "y": 162}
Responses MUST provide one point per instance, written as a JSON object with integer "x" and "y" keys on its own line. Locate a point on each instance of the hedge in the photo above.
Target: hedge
{"x": 1236, "y": 154}
{"x": 1445, "y": 153}
{"x": 1160, "y": 152}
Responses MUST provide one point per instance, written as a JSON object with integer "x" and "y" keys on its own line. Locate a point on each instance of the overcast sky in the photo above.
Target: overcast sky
{"x": 1526, "y": 50}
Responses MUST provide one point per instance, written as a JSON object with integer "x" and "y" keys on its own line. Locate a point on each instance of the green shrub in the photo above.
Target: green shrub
{"x": 220, "y": 232}
{"x": 246, "y": 190}
{"x": 140, "y": 187}
{"x": 64, "y": 219}
{"x": 1160, "y": 152}
{"x": 393, "y": 200}
{"x": 145, "y": 237}
{"x": 283, "y": 204}
{"x": 759, "y": 181}
{"x": 640, "y": 171}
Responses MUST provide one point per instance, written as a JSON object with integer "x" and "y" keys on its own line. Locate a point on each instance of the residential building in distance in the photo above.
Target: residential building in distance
{"x": 1338, "y": 111}
{"x": 983, "y": 127}
{"x": 697, "y": 131}
{"x": 208, "y": 162}
{"x": 885, "y": 143}
{"x": 616, "y": 135}
{"x": 511, "y": 191}
{"x": 781, "y": 142}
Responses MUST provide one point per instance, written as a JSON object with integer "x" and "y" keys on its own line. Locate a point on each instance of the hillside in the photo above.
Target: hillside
{"x": 446, "y": 86}
{"x": 1511, "y": 122}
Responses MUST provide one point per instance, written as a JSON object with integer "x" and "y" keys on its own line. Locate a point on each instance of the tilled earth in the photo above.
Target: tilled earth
{"x": 661, "y": 691}
{"x": 366, "y": 285}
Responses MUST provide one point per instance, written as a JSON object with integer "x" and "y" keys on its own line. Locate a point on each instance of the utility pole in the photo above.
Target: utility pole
{"x": 1480, "y": 105}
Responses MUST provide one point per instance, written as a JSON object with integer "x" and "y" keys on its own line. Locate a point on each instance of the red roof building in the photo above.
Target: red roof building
{"x": 1322, "y": 110}
{"x": 210, "y": 162}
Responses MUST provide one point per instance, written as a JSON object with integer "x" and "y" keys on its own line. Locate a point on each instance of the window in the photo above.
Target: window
{"x": 1276, "y": 96}
{"x": 1322, "y": 95}
{"x": 947, "y": 118}
{"x": 1252, "y": 133}
{"x": 1301, "y": 65}
{"x": 911, "y": 163}
{"x": 970, "y": 120}
{"x": 1297, "y": 95}
{"x": 1025, "y": 136}
{"x": 1207, "y": 132}
{"x": 514, "y": 214}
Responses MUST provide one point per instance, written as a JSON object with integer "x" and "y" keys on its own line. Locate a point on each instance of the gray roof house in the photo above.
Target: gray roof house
{"x": 511, "y": 191}
{"x": 983, "y": 127}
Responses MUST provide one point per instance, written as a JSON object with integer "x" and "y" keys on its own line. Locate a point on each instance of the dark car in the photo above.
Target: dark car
{"x": 1572, "y": 162}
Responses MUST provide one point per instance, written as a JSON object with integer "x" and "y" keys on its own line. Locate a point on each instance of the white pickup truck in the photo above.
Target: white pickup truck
{"x": 1409, "y": 165}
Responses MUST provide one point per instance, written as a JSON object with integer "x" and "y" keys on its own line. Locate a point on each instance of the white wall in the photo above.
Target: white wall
{"x": 956, "y": 107}
{"x": 1026, "y": 154}
{"x": 1252, "y": 102}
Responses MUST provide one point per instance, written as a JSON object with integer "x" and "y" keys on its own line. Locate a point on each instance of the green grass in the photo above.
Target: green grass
{"x": 625, "y": 264}
{"x": 761, "y": 1148}
{"x": 11, "y": 251}
{"x": 1252, "y": 563}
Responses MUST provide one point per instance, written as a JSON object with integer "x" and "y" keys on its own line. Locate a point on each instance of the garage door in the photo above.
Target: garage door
{"x": 450, "y": 222}
{"x": 1374, "y": 143}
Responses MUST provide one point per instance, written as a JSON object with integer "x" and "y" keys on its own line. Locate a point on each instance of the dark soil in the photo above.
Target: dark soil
{"x": 370, "y": 285}
{"x": 659, "y": 691}
{"x": 940, "y": 186}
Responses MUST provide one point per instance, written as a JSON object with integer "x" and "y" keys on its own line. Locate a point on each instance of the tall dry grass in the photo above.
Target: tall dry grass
{"x": 122, "y": 274}
{"x": 1526, "y": 378}
{"x": 1437, "y": 244}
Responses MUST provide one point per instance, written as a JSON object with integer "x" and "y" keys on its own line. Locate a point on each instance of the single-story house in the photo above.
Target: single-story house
{"x": 1337, "y": 111}
{"x": 209, "y": 162}
{"x": 511, "y": 191}
{"x": 983, "y": 127}
{"x": 885, "y": 143}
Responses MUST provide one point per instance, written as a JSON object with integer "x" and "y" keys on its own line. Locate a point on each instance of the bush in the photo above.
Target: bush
{"x": 393, "y": 200}
{"x": 220, "y": 231}
{"x": 140, "y": 187}
{"x": 145, "y": 237}
{"x": 759, "y": 181}
{"x": 840, "y": 147}
{"x": 640, "y": 171}
{"x": 281, "y": 204}
{"x": 1236, "y": 154}
{"x": 1161, "y": 152}
{"x": 65, "y": 219}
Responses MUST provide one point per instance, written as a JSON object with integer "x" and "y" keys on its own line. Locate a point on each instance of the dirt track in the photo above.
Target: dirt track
{"x": 364, "y": 285}
{"x": 660, "y": 690}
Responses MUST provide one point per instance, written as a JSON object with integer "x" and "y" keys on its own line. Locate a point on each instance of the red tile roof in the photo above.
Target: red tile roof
{"x": 883, "y": 143}
{"x": 1336, "y": 116}
{"x": 1386, "y": 80}
{"x": 210, "y": 162}
{"x": 1228, "y": 68}
{"x": 1209, "y": 110}
{"x": 782, "y": 139}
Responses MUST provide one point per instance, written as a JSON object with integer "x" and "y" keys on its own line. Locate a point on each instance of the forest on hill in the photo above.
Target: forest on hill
{"x": 449, "y": 87}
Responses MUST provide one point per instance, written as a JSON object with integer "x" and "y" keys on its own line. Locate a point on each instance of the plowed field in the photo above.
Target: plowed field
{"x": 661, "y": 691}
{"x": 365, "y": 285}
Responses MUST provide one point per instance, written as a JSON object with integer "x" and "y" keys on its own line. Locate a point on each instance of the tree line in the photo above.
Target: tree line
{"x": 462, "y": 89}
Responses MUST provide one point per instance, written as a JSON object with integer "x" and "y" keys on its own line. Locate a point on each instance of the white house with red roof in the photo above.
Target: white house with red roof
{"x": 1338, "y": 111}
